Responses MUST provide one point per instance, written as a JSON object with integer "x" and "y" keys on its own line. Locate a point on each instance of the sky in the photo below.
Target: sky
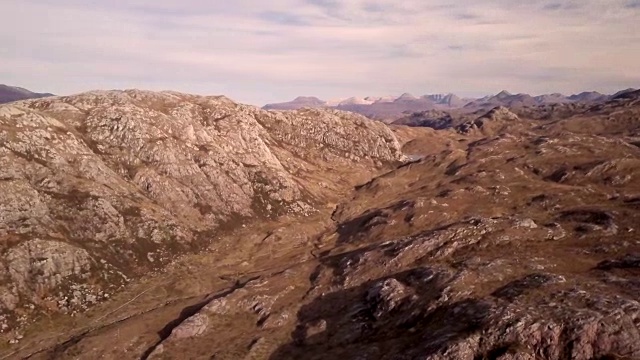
{"x": 258, "y": 52}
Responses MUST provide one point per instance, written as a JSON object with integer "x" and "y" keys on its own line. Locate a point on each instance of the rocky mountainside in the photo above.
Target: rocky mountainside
{"x": 13, "y": 93}
{"x": 100, "y": 188}
{"x": 508, "y": 237}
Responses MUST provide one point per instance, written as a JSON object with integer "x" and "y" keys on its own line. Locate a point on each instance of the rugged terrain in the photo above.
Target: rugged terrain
{"x": 507, "y": 235}
{"x": 100, "y": 188}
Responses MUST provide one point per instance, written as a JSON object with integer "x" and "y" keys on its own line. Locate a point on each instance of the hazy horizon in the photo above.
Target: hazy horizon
{"x": 259, "y": 53}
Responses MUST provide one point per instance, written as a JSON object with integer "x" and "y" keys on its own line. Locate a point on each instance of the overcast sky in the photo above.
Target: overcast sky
{"x": 258, "y": 51}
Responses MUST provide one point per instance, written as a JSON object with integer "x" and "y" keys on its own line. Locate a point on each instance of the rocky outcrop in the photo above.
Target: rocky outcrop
{"x": 490, "y": 123}
{"x": 103, "y": 186}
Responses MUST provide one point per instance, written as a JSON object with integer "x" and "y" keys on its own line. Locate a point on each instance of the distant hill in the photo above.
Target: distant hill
{"x": 386, "y": 108}
{"x": 503, "y": 98}
{"x": 297, "y": 103}
{"x": 555, "y": 98}
{"x": 14, "y": 93}
{"x": 450, "y": 100}
{"x": 588, "y": 96}
{"x": 435, "y": 119}
{"x": 626, "y": 94}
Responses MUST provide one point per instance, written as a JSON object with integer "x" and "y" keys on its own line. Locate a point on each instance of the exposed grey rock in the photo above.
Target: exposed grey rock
{"x": 193, "y": 326}
{"x": 526, "y": 223}
{"x": 44, "y": 264}
{"x": 107, "y": 185}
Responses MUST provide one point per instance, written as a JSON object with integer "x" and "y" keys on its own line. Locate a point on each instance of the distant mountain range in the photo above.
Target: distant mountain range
{"x": 381, "y": 108}
{"x": 555, "y": 109}
{"x": 389, "y": 108}
{"x": 14, "y": 93}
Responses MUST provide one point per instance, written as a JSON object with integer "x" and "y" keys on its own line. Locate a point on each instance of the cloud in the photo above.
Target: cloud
{"x": 260, "y": 52}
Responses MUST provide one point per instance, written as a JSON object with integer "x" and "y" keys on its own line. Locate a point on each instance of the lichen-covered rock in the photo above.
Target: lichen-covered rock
{"x": 45, "y": 264}
{"x": 193, "y": 326}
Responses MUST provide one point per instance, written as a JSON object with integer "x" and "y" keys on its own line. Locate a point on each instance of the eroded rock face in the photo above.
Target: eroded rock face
{"x": 106, "y": 185}
{"x": 45, "y": 264}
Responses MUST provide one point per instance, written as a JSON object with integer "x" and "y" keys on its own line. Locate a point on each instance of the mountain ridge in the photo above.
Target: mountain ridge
{"x": 389, "y": 109}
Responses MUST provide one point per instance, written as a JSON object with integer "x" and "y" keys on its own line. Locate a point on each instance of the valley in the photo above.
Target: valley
{"x": 142, "y": 225}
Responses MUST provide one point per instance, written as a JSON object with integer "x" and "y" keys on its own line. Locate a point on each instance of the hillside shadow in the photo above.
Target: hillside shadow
{"x": 349, "y": 323}
{"x": 358, "y": 228}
